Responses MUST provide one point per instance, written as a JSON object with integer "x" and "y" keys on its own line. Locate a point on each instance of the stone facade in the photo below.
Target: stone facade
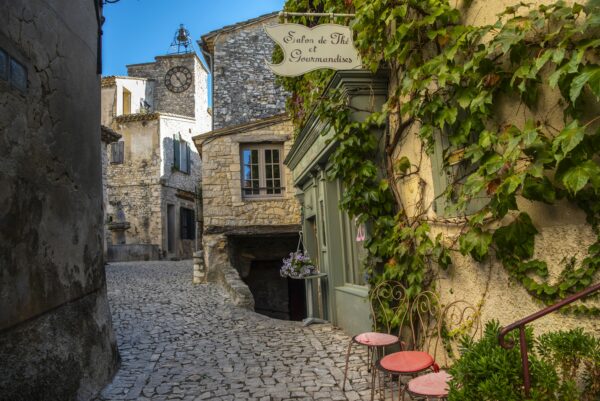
{"x": 223, "y": 203}
{"x": 56, "y": 335}
{"x": 245, "y": 89}
{"x": 147, "y": 192}
{"x": 244, "y": 235}
{"x": 107, "y": 136}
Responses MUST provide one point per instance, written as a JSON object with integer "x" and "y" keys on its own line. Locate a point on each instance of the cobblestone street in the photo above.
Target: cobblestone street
{"x": 180, "y": 341}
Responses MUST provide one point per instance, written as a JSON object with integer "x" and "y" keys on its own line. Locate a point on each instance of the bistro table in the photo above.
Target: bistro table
{"x": 321, "y": 297}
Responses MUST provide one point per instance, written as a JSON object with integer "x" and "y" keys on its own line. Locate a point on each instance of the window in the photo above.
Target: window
{"x": 3, "y": 65}
{"x": 262, "y": 170}
{"x": 450, "y": 167}
{"x": 117, "y": 151}
{"x": 181, "y": 154}
{"x": 126, "y": 101}
{"x": 187, "y": 223}
{"x": 13, "y": 71}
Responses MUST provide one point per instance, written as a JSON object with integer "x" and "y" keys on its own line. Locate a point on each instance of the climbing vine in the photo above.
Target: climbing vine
{"x": 481, "y": 90}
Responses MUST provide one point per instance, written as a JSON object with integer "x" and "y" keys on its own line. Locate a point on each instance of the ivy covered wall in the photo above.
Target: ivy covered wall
{"x": 492, "y": 148}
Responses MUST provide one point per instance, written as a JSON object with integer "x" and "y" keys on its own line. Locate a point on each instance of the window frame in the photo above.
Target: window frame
{"x": 182, "y": 147}
{"x": 126, "y": 102}
{"x": 262, "y": 186}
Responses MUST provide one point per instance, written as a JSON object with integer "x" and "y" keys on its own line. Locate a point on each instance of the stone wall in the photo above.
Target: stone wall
{"x": 244, "y": 87}
{"x": 562, "y": 228}
{"x": 147, "y": 182}
{"x": 193, "y": 102}
{"x": 223, "y": 203}
{"x": 134, "y": 186}
{"x": 56, "y": 336}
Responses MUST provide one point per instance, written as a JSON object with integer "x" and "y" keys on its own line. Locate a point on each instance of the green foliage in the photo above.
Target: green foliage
{"x": 451, "y": 78}
{"x": 488, "y": 372}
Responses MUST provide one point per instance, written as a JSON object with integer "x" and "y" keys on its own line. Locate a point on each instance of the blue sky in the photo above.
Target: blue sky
{"x": 137, "y": 30}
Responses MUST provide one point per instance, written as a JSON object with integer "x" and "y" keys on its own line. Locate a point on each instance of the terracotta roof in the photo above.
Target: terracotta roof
{"x": 126, "y": 118}
{"x": 206, "y": 41}
{"x": 108, "y": 135}
{"x": 107, "y": 82}
{"x": 235, "y": 129}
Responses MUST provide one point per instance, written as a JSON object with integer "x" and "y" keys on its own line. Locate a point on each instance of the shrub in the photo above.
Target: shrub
{"x": 488, "y": 372}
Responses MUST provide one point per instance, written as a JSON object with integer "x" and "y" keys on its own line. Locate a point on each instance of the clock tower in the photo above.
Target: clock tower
{"x": 180, "y": 80}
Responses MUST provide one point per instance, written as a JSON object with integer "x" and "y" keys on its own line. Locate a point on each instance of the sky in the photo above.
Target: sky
{"x": 137, "y": 30}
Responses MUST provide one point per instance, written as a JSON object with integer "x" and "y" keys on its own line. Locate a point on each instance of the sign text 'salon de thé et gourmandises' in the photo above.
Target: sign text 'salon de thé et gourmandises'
{"x": 307, "y": 49}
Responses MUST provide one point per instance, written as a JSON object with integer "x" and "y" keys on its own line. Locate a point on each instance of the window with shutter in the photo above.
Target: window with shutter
{"x": 184, "y": 157}
{"x": 181, "y": 154}
{"x": 449, "y": 167}
{"x": 176, "y": 152}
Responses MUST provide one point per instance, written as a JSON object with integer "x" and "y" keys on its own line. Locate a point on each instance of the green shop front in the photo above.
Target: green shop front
{"x": 334, "y": 240}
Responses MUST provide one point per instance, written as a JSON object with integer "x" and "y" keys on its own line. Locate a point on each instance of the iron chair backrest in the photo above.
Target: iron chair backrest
{"x": 389, "y": 306}
{"x": 438, "y": 329}
{"x": 460, "y": 319}
{"x": 424, "y": 318}
{"x": 457, "y": 320}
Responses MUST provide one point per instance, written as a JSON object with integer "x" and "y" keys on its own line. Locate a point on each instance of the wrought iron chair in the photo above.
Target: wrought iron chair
{"x": 389, "y": 306}
{"x": 458, "y": 319}
{"x": 420, "y": 335}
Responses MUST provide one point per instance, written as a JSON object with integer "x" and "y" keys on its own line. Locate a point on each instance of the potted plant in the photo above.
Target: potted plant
{"x": 298, "y": 265}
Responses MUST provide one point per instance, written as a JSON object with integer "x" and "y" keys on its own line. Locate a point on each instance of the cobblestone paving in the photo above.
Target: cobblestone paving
{"x": 180, "y": 341}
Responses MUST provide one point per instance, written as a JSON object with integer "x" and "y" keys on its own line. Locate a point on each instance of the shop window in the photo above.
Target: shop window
{"x": 262, "y": 170}
{"x": 181, "y": 154}
{"x": 187, "y": 223}
{"x": 117, "y": 151}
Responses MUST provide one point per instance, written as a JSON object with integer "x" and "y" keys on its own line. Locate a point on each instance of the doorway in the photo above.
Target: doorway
{"x": 171, "y": 228}
{"x": 275, "y": 296}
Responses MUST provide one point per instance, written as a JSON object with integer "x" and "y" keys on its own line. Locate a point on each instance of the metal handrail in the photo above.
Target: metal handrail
{"x": 508, "y": 344}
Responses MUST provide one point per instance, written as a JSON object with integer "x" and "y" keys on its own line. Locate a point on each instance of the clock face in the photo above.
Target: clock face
{"x": 178, "y": 79}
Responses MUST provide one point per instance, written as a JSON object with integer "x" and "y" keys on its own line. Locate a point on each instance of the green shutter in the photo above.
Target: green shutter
{"x": 444, "y": 175}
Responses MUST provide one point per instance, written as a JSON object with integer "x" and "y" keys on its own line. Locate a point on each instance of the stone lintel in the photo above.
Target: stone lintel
{"x": 254, "y": 230}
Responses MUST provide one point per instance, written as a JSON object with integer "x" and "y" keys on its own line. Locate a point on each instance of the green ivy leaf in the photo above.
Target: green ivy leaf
{"x": 591, "y": 75}
{"x": 567, "y": 140}
{"x": 539, "y": 189}
{"x": 517, "y": 239}
{"x": 476, "y": 243}
{"x": 575, "y": 179}
{"x": 402, "y": 165}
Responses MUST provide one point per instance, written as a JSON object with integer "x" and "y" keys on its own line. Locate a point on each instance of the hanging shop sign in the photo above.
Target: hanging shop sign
{"x": 327, "y": 46}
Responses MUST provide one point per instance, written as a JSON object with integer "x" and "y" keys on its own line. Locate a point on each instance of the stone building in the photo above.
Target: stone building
{"x": 250, "y": 214}
{"x": 154, "y": 174}
{"x": 56, "y": 335}
{"x": 328, "y": 232}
